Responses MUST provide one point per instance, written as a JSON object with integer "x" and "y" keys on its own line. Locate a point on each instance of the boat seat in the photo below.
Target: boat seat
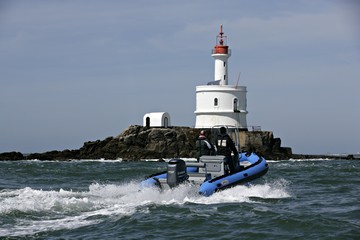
{"x": 197, "y": 177}
{"x": 214, "y": 165}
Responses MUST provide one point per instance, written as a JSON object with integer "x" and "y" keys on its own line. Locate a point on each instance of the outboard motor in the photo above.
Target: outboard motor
{"x": 176, "y": 172}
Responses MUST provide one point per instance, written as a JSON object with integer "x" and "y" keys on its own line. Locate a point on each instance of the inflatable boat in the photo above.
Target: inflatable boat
{"x": 210, "y": 173}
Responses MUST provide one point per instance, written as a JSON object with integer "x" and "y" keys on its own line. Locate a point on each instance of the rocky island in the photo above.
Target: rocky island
{"x": 138, "y": 142}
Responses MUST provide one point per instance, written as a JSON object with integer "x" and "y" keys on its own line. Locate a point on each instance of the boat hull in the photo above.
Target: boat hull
{"x": 210, "y": 175}
{"x": 256, "y": 166}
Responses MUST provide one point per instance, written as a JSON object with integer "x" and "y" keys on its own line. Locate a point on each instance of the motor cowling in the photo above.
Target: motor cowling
{"x": 176, "y": 172}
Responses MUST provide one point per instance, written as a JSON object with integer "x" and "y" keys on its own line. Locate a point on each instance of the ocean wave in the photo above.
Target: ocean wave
{"x": 64, "y": 209}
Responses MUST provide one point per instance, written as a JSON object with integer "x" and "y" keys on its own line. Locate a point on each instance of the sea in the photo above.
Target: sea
{"x": 102, "y": 199}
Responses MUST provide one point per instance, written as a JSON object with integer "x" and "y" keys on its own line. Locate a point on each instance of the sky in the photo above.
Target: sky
{"x": 77, "y": 71}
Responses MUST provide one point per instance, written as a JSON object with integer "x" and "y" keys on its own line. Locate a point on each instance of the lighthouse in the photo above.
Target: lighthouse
{"x": 221, "y": 53}
{"x": 219, "y": 103}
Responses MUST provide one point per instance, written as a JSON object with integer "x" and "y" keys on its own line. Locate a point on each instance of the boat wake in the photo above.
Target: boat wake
{"x": 39, "y": 210}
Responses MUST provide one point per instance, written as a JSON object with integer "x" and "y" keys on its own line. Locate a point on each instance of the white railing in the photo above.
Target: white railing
{"x": 254, "y": 128}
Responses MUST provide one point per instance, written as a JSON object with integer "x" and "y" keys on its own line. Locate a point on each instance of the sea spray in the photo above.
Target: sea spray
{"x": 97, "y": 199}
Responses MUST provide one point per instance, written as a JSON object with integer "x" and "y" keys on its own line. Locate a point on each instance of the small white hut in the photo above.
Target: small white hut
{"x": 157, "y": 119}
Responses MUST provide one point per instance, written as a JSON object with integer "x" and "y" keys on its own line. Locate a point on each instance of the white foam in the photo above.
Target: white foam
{"x": 64, "y": 209}
{"x": 300, "y": 160}
{"x": 98, "y": 160}
{"x": 241, "y": 193}
{"x": 31, "y": 200}
{"x": 310, "y": 159}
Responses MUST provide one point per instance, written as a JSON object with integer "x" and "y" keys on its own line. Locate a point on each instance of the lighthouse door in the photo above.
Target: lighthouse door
{"x": 166, "y": 122}
{"x": 148, "y": 122}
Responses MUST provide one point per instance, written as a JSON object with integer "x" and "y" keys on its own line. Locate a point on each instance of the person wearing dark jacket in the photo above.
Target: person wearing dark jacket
{"x": 203, "y": 146}
{"x": 225, "y": 146}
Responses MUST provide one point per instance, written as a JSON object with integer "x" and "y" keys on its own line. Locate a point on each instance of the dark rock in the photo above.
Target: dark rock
{"x": 55, "y": 155}
{"x": 137, "y": 142}
{"x": 11, "y": 156}
{"x": 327, "y": 156}
{"x": 97, "y": 149}
{"x": 264, "y": 143}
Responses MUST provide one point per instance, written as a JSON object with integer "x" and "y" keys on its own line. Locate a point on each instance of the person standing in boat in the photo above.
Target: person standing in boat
{"x": 203, "y": 145}
{"x": 225, "y": 146}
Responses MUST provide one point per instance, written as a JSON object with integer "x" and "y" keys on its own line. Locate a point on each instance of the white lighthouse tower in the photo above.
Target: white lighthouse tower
{"x": 218, "y": 103}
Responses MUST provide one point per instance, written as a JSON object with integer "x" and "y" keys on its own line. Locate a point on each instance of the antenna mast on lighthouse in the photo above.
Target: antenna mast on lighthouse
{"x": 221, "y": 53}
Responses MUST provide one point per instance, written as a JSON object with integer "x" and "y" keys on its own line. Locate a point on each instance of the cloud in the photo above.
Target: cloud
{"x": 293, "y": 30}
{"x": 88, "y": 69}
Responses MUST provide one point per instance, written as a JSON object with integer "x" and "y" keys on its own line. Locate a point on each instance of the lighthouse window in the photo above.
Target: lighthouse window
{"x": 224, "y": 64}
{"x": 216, "y": 102}
{"x": 236, "y": 105}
